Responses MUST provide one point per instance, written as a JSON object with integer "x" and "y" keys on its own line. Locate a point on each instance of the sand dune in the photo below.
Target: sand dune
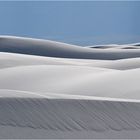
{"x": 61, "y": 118}
{"x": 50, "y": 89}
{"x": 14, "y": 60}
{"x": 63, "y": 50}
{"x": 123, "y": 64}
{"x": 116, "y": 46}
{"x": 73, "y": 80}
{"x": 40, "y": 78}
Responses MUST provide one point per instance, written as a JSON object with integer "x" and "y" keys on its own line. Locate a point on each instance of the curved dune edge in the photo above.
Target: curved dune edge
{"x": 62, "y": 50}
{"x": 116, "y": 46}
{"x": 13, "y": 60}
{"x": 8, "y": 93}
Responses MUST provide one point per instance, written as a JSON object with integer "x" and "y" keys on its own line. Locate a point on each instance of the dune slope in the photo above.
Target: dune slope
{"x": 63, "y": 50}
{"x": 72, "y": 116}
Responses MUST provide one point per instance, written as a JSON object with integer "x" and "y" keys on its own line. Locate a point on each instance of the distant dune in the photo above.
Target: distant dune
{"x": 115, "y": 46}
{"x": 51, "y": 89}
{"x": 56, "y": 49}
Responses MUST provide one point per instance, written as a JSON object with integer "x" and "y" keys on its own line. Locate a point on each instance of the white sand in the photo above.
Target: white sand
{"x": 57, "y": 90}
{"x": 63, "y": 50}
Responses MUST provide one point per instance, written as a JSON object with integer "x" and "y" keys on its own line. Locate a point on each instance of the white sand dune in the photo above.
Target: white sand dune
{"x": 116, "y": 46}
{"x": 50, "y": 89}
{"x": 45, "y": 118}
{"x": 134, "y": 44}
{"x": 44, "y": 78}
{"x": 123, "y": 64}
{"x": 63, "y": 50}
{"x": 73, "y": 80}
{"x": 14, "y": 60}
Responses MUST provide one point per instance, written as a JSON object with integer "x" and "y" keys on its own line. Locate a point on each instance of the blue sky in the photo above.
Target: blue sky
{"x": 83, "y": 23}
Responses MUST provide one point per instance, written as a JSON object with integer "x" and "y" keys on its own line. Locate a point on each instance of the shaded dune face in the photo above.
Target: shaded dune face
{"x": 69, "y": 115}
{"x": 57, "y": 49}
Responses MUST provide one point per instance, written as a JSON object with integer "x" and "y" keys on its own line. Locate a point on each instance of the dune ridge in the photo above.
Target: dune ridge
{"x": 56, "y": 49}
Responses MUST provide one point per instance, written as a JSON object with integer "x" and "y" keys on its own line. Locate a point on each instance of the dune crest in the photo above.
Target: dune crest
{"x": 57, "y": 49}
